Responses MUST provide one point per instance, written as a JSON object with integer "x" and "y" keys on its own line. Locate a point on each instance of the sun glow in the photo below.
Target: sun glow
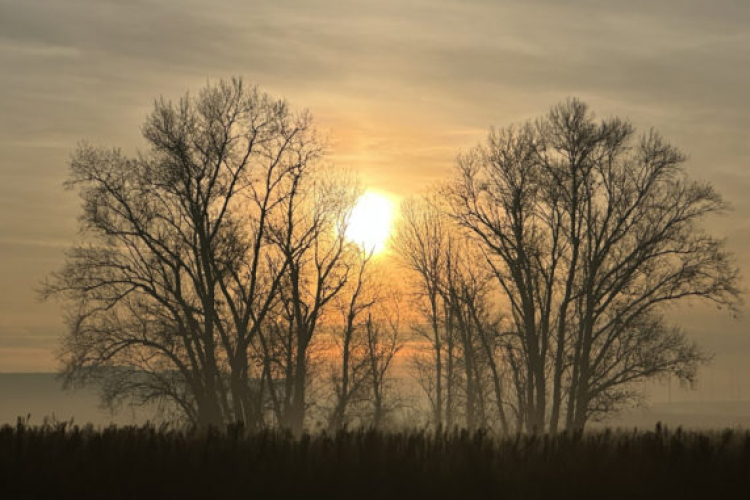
{"x": 369, "y": 224}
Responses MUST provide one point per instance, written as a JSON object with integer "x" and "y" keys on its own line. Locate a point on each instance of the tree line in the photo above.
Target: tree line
{"x": 213, "y": 275}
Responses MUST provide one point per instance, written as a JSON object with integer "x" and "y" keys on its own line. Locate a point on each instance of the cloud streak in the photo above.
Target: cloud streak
{"x": 399, "y": 86}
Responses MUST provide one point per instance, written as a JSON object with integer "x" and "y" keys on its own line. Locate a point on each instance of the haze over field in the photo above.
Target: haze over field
{"x": 398, "y": 87}
{"x": 39, "y": 396}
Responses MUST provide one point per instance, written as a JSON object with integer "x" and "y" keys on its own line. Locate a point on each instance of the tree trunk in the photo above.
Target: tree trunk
{"x": 297, "y": 410}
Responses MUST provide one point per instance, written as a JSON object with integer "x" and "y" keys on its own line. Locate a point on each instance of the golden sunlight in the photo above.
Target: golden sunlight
{"x": 369, "y": 224}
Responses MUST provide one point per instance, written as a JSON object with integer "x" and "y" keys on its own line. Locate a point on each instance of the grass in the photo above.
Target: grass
{"x": 64, "y": 461}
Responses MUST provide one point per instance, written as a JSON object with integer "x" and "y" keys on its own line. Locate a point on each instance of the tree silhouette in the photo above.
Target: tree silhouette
{"x": 590, "y": 231}
{"x": 190, "y": 249}
{"x": 208, "y": 263}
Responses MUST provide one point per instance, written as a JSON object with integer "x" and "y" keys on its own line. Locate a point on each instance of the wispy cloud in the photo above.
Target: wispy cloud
{"x": 400, "y": 86}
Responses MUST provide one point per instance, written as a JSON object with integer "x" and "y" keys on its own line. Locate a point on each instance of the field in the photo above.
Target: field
{"x": 64, "y": 461}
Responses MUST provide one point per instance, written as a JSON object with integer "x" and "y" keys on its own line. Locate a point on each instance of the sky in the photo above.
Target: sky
{"x": 397, "y": 87}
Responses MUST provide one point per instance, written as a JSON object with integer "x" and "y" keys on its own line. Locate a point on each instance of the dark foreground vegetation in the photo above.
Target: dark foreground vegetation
{"x": 64, "y": 461}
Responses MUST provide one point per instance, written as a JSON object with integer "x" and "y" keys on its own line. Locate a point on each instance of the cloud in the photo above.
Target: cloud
{"x": 401, "y": 86}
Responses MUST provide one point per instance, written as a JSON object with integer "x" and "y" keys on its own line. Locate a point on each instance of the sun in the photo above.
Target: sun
{"x": 369, "y": 224}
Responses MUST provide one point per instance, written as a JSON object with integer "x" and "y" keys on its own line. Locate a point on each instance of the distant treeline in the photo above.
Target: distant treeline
{"x": 59, "y": 461}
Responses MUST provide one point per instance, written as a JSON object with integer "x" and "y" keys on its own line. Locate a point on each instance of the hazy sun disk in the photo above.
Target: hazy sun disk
{"x": 369, "y": 223}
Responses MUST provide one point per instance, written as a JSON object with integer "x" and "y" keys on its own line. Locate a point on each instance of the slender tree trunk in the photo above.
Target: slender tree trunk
{"x": 297, "y": 410}
{"x": 496, "y": 382}
{"x": 471, "y": 389}
{"x": 338, "y": 418}
{"x": 450, "y": 368}
{"x": 438, "y": 346}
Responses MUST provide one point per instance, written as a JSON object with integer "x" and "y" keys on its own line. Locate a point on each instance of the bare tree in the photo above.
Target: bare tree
{"x": 453, "y": 291}
{"x": 469, "y": 289}
{"x": 419, "y": 241}
{"x": 350, "y": 363}
{"x": 383, "y": 341}
{"x": 310, "y": 235}
{"x": 590, "y": 232}
{"x": 176, "y": 272}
